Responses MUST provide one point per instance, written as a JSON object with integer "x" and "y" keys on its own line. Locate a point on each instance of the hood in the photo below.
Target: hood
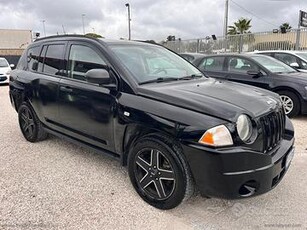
{"x": 301, "y": 76}
{"x": 4, "y": 70}
{"x": 222, "y": 99}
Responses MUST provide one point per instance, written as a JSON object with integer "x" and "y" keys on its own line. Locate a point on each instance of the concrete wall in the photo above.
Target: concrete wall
{"x": 15, "y": 39}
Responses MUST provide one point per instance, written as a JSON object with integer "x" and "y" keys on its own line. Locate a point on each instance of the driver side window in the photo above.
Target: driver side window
{"x": 241, "y": 65}
{"x": 82, "y": 59}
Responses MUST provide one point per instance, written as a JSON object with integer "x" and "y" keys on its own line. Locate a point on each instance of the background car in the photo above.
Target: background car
{"x": 5, "y": 70}
{"x": 295, "y": 59}
{"x": 192, "y": 57}
{"x": 261, "y": 71}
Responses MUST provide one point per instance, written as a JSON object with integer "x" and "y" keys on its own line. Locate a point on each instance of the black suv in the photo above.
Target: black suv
{"x": 155, "y": 112}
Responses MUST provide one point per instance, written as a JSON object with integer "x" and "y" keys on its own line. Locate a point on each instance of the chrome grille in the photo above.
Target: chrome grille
{"x": 273, "y": 127}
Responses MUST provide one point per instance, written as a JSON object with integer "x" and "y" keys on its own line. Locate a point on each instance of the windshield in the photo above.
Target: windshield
{"x": 3, "y": 63}
{"x": 302, "y": 55}
{"x": 148, "y": 63}
{"x": 273, "y": 65}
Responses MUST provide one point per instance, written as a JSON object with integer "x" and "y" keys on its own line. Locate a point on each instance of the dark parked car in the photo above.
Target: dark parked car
{"x": 264, "y": 72}
{"x": 192, "y": 57}
{"x": 155, "y": 112}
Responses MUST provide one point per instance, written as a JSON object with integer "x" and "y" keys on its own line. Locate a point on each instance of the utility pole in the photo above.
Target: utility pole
{"x": 225, "y": 24}
{"x": 298, "y": 33}
{"x": 83, "y": 15}
{"x": 226, "y": 18}
{"x": 129, "y": 20}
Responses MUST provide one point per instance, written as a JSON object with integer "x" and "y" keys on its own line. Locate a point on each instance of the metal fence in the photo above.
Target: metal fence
{"x": 292, "y": 40}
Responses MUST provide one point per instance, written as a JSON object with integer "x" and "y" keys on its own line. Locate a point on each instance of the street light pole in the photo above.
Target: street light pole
{"x": 129, "y": 20}
{"x": 83, "y": 15}
{"x": 43, "y": 21}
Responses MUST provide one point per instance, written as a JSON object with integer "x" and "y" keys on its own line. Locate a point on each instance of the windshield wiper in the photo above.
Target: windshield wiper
{"x": 159, "y": 79}
{"x": 193, "y": 76}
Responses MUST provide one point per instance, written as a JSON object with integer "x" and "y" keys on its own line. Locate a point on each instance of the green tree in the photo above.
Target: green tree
{"x": 242, "y": 26}
{"x": 286, "y": 25}
{"x": 93, "y": 35}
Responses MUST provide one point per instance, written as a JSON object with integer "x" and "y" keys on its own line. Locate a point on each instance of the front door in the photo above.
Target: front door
{"x": 238, "y": 68}
{"x": 86, "y": 110}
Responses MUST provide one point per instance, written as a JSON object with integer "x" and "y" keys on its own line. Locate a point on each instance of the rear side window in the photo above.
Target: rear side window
{"x": 32, "y": 57}
{"x": 83, "y": 59}
{"x": 212, "y": 64}
{"x": 53, "y": 61}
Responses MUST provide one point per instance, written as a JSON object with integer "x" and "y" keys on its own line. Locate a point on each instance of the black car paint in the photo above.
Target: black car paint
{"x": 294, "y": 82}
{"x": 111, "y": 120}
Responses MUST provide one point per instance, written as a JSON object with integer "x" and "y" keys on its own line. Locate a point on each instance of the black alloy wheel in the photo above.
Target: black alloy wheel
{"x": 159, "y": 173}
{"x": 30, "y": 125}
{"x": 154, "y": 174}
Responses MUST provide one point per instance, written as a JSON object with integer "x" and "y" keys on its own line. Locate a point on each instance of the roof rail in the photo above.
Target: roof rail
{"x": 64, "y": 36}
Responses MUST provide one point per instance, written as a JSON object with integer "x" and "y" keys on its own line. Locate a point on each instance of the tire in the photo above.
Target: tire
{"x": 159, "y": 173}
{"x": 291, "y": 103}
{"x": 30, "y": 126}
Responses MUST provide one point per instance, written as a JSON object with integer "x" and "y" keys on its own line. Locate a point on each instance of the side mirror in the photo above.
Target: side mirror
{"x": 12, "y": 66}
{"x": 254, "y": 73}
{"x": 98, "y": 76}
{"x": 295, "y": 65}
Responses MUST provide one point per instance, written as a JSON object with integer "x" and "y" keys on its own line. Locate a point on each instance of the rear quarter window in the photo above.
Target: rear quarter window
{"x": 33, "y": 57}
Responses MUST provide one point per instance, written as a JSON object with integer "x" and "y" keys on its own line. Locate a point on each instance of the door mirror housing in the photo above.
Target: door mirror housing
{"x": 98, "y": 76}
{"x": 295, "y": 65}
{"x": 254, "y": 73}
{"x": 12, "y": 66}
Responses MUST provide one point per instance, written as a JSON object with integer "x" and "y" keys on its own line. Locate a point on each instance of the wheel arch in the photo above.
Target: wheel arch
{"x": 292, "y": 90}
{"x": 286, "y": 88}
{"x": 136, "y": 131}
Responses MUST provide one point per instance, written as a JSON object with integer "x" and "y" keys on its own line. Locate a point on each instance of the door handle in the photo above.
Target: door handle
{"x": 66, "y": 89}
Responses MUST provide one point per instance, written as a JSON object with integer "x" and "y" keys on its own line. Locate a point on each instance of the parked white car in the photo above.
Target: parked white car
{"x": 293, "y": 58}
{"x": 5, "y": 70}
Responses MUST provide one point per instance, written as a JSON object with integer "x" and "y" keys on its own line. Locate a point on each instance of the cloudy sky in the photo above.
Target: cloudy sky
{"x": 151, "y": 19}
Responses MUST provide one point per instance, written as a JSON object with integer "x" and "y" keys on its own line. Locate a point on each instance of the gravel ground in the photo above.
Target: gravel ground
{"x": 57, "y": 185}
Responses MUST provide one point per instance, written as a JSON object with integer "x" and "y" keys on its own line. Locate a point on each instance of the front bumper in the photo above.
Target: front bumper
{"x": 237, "y": 172}
{"x": 4, "y": 79}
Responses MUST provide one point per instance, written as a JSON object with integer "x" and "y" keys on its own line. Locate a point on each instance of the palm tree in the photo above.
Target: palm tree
{"x": 232, "y": 30}
{"x": 286, "y": 25}
{"x": 242, "y": 26}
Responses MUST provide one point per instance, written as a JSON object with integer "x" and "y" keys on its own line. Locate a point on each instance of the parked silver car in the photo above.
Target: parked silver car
{"x": 5, "y": 69}
{"x": 293, "y": 58}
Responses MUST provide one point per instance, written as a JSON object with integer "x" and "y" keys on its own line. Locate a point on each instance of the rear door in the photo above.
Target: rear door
{"x": 45, "y": 68}
{"x": 214, "y": 67}
{"x": 238, "y": 68}
{"x": 86, "y": 110}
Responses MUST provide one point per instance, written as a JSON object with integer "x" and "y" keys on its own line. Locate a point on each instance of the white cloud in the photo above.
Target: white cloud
{"x": 150, "y": 19}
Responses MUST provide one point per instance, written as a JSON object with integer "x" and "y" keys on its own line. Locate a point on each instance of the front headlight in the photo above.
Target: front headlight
{"x": 244, "y": 127}
{"x": 217, "y": 136}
